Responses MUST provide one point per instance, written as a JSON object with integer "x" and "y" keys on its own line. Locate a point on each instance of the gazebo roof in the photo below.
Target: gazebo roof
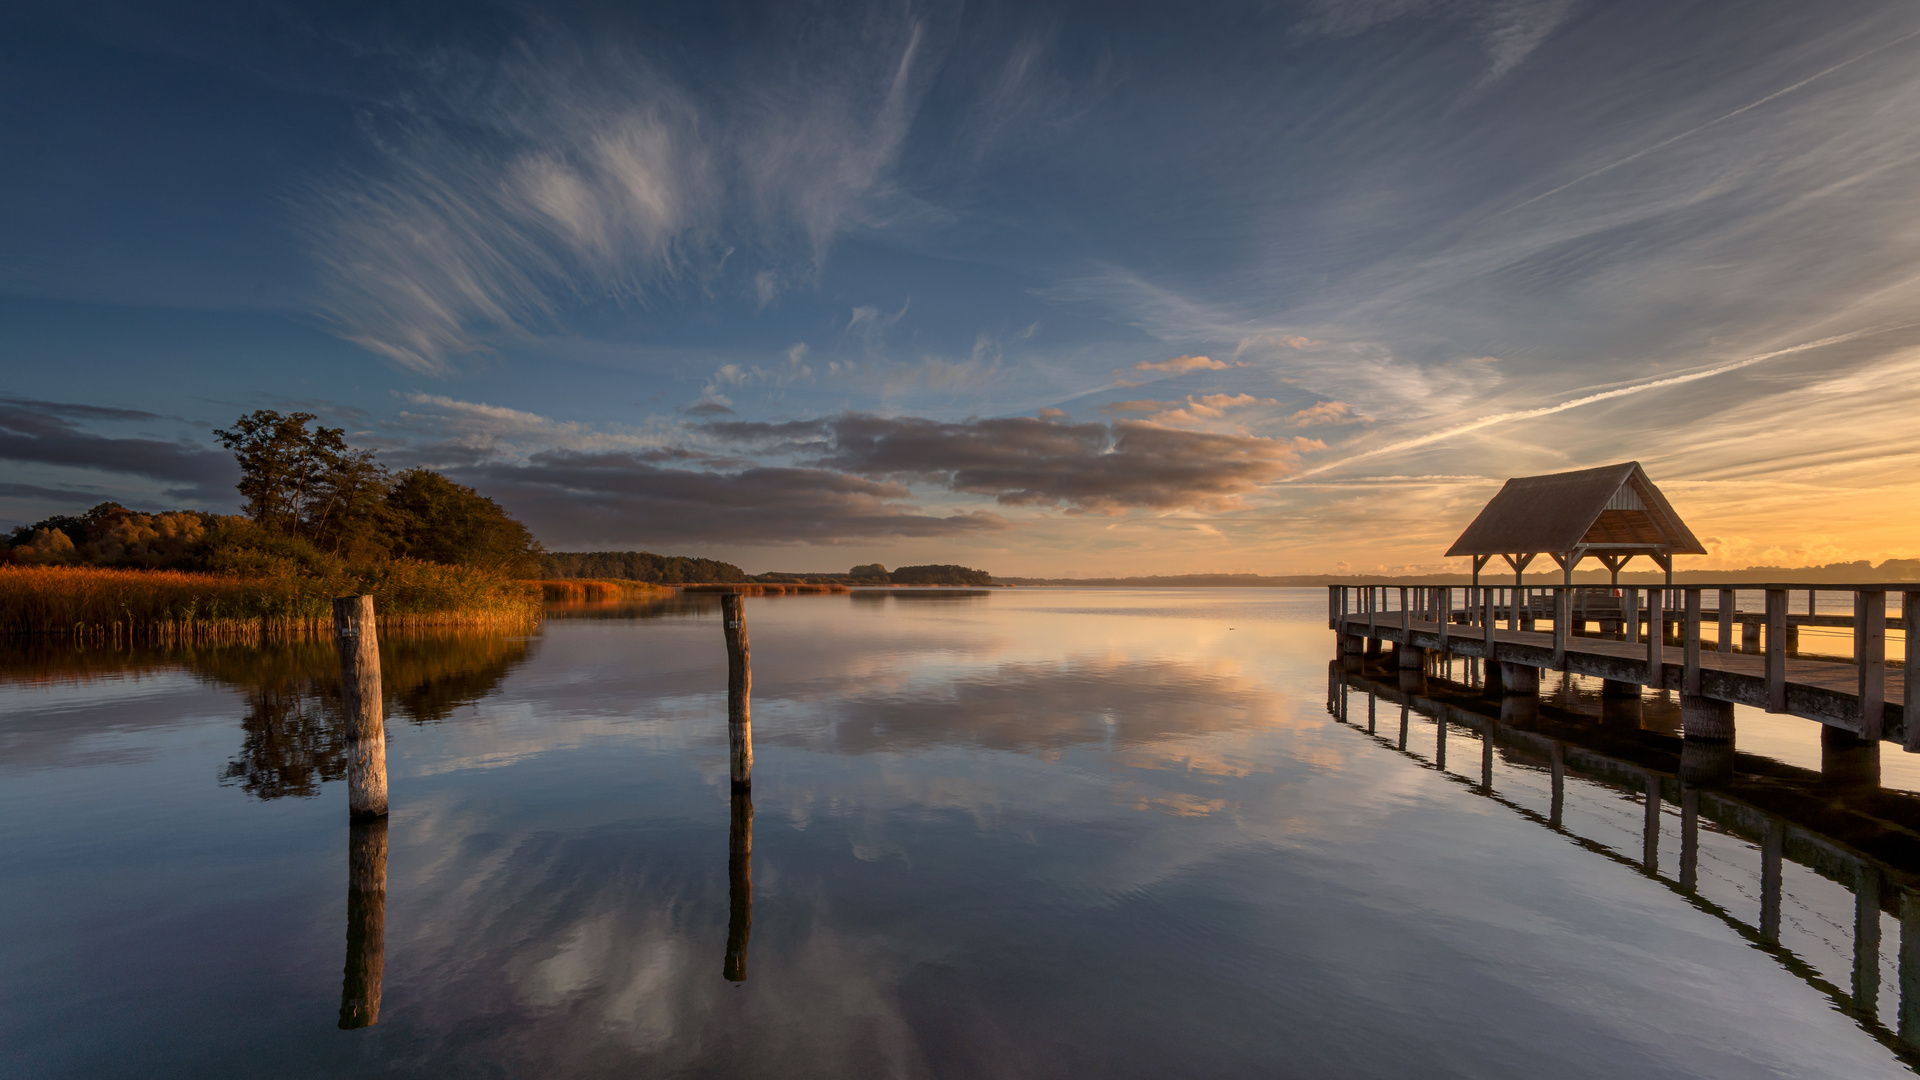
{"x": 1611, "y": 510}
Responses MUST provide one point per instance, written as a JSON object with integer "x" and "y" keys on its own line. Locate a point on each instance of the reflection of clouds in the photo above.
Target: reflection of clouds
{"x": 1038, "y": 706}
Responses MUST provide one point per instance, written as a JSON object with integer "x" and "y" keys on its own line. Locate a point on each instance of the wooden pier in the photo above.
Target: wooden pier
{"x": 1663, "y": 638}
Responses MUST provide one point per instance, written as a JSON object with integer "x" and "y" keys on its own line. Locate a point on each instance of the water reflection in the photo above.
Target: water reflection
{"x": 739, "y": 887}
{"x": 1743, "y": 821}
{"x": 366, "y": 923}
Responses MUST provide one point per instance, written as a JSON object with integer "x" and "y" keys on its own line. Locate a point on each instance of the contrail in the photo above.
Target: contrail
{"x": 1728, "y": 116}
{"x": 1588, "y": 399}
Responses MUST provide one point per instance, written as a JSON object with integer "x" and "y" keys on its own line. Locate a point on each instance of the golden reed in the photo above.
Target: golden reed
{"x": 158, "y": 606}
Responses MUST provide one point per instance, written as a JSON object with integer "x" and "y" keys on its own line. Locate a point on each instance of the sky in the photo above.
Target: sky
{"x": 1060, "y": 290}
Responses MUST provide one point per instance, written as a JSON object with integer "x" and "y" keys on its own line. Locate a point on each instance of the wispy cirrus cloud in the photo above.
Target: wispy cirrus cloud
{"x": 576, "y": 171}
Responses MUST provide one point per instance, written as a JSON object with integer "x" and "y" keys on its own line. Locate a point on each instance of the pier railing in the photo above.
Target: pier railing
{"x": 1762, "y": 622}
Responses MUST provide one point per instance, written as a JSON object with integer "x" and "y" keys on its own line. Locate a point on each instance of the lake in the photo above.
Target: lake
{"x": 993, "y": 833}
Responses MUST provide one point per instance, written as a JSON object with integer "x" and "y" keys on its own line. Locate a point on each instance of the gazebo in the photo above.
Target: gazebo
{"x": 1611, "y": 513}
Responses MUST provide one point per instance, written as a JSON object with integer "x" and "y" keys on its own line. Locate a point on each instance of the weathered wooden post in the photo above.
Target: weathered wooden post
{"x": 739, "y": 692}
{"x": 1909, "y": 968}
{"x": 1776, "y": 650}
{"x": 1557, "y": 766}
{"x": 366, "y": 923}
{"x": 739, "y": 888}
{"x": 358, "y": 644}
{"x": 1870, "y": 654}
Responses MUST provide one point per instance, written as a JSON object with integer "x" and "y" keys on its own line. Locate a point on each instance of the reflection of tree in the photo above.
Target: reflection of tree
{"x": 294, "y": 739}
{"x": 293, "y": 735}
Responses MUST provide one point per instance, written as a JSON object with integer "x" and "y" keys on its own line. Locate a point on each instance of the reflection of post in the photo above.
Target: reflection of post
{"x": 739, "y": 888}
{"x": 1650, "y": 830}
{"x": 1371, "y": 712}
{"x": 1404, "y": 710}
{"x": 1910, "y": 968}
{"x": 1866, "y": 942}
{"x": 1558, "y": 765}
{"x": 1771, "y": 842}
{"x": 1486, "y": 761}
{"x": 366, "y": 922}
{"x": 739, "y": 691}
{"x": 1689, "y": 838}
{"x": 359, "y": 648}
{"x": 1440, "y": 741}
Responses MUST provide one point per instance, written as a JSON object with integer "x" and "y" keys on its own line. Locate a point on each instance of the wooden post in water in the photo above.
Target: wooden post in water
{"x": 1910, "y": 633}
{"x": 1866, "y": 942}
{"x": 1689, "y": 838}
{"x": 739, "y": 692}
{"x": 366, "y": 923}
{"x": 359, "y": 648}
{"x": 739, "y": 887}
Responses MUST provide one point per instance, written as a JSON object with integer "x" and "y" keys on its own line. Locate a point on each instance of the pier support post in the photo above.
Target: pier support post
{"x": 1706, "y": 718}
{"x": 1519, "y": 678}
{"x": 1619, "y": 689}
{"x": 366, "y": 923}
{"x": 1847, "y": 760}
{"x": 1410, "y": 656}
{"x": 1749, "y": 636}
{"x": 739, "y": 692}
{"x": 1910, "y": 968}
{"x": 358, "y": 645}
{"x": 1519, "y": 709}
{"x": 1373, "y": 648}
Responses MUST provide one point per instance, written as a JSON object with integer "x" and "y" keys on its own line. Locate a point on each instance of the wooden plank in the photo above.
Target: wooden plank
{"x": 1776, "y": 650}
{"x": 1870, "y": 652}
{"x": 1690, "y": 644}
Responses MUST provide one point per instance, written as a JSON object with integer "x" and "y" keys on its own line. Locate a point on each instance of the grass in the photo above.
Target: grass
{"x": 583, "y": 589}
{"x": 163, "y": 605}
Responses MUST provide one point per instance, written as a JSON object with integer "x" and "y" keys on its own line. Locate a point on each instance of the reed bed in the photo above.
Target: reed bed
{"x": 758, "y": 589}
{"x": 594, "y": 589}
{"x": 170, "y": 605}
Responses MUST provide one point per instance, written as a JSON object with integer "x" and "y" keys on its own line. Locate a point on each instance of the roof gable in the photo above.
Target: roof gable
{"x": 1616, "y": 506}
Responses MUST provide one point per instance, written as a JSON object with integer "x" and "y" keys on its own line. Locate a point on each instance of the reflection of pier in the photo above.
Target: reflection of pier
{"x": 1838, "y": 823}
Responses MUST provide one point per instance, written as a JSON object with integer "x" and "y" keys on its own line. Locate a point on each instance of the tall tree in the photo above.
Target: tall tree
{"x": 440, "y": 521}
{"x": 287, "y": 471}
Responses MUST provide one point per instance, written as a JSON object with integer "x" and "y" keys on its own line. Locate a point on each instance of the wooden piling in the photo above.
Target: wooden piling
{"x": 358, "y": 644}
{"x": 739, "y": 692}
{"x": 1772, "y": 841}
{"x": 1689, "y": 839}
{"x": 1910, "y": 633}
{"x": 366, "y": 923}
{"x": 739, "y": 888}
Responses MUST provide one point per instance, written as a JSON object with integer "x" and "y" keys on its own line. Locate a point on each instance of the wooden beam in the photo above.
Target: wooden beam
{"x": 1726, "y": 621}
{"x": 1656, "y": 631}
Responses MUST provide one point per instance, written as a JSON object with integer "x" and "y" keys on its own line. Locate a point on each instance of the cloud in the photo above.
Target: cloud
{"x": 44, "y": 433}
{"x": 509, "y": 191}
{"x": 627, "y": 498}
{"x": 1145, "y": 405}
{"x": 1025, "y": 461}
{"x": 1209, "y": 407}
{"x": 1327, "y": 412}
{"x": 1508, "y": 29}
{"x": 712, "y": 406}
{"x": 1182, "y": 364}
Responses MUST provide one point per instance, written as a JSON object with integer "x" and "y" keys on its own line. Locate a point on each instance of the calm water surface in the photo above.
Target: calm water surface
{"x": 1018, "y": 833}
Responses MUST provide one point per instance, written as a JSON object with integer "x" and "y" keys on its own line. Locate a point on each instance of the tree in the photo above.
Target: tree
{"x": 288, "y": 474}
{"x": 440, "y": 521}
{"x": 868, "y": 572}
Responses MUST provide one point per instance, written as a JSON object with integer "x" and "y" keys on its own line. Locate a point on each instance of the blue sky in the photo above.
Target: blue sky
{"x": 1045, "y": 289}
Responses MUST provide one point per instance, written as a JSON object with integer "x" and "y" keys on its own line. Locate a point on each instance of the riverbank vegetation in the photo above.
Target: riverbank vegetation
{"x": 323, "y": 519}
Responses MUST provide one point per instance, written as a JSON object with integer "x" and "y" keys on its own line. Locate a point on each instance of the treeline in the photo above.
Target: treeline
{"x": 639, "y": 566}
{"x": 314, "y": 505}
{"x": 1848, "y": 573}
